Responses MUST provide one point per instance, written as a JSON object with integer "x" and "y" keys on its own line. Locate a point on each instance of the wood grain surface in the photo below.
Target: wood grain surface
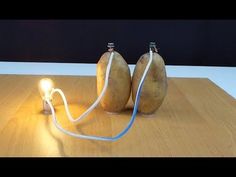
{"x": 197, "y": 118}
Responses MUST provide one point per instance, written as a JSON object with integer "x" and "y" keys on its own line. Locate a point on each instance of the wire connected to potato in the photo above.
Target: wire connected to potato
{"x": 49, "y": 91}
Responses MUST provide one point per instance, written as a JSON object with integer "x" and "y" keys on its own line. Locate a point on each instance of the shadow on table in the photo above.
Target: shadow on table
{"x": 58, "y": 140}
{"x": 100, "y": 144}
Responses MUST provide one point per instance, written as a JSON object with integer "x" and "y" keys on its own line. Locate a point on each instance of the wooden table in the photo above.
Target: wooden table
{"x": 197, "y": 118}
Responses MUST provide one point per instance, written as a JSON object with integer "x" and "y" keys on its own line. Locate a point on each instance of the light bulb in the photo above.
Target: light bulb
{"x": 45, "y": 88}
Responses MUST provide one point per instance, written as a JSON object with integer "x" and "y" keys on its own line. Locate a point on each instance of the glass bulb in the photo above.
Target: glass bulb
{"x": 45, "y": 87}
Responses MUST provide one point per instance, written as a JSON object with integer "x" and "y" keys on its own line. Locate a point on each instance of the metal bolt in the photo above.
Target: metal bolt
{"x": 152, "y": 46}
{"x": 111, "y": 46}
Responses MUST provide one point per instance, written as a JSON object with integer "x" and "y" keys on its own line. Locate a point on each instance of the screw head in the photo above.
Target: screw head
{"x": 152, "y": 46}
{"x": 110, "y": 45}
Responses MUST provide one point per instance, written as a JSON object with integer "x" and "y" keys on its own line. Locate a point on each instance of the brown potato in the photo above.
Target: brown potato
{"x": 155, "y": 85}
{"x": 119, "y": 84}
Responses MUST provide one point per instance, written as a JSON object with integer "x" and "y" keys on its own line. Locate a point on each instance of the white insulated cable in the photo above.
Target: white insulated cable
{"x": 93, "y": 106}
{"x": 125, "y": 130}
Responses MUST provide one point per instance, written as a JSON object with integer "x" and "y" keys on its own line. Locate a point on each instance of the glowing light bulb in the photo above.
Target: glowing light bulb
{"x": 45, "y": 89}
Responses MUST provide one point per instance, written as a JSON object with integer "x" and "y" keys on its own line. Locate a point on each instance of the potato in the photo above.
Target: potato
{"x": 119, "y": 84}
{"x": 155, "y": 85}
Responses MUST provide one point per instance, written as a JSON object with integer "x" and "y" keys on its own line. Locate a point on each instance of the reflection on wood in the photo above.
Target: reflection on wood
{"x": 196, "y": 119}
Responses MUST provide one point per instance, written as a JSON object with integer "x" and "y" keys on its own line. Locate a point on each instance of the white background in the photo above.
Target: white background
{"x": 224, "y": 77}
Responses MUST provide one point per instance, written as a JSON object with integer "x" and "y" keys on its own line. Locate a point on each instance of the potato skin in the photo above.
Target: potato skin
{"x": 119, "y": 83}
{"x": 155, "y": 85}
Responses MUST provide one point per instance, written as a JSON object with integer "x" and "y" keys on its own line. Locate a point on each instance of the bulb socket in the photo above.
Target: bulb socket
{"x": 46, "y": 108}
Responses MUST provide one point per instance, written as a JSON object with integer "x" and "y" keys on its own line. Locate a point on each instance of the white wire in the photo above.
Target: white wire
{"x": 93, "y": 106}
{"x": 122, "y": 133}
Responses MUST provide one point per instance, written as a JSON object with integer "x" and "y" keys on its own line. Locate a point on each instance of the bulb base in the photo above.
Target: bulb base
{"x": 46, "y": 108}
